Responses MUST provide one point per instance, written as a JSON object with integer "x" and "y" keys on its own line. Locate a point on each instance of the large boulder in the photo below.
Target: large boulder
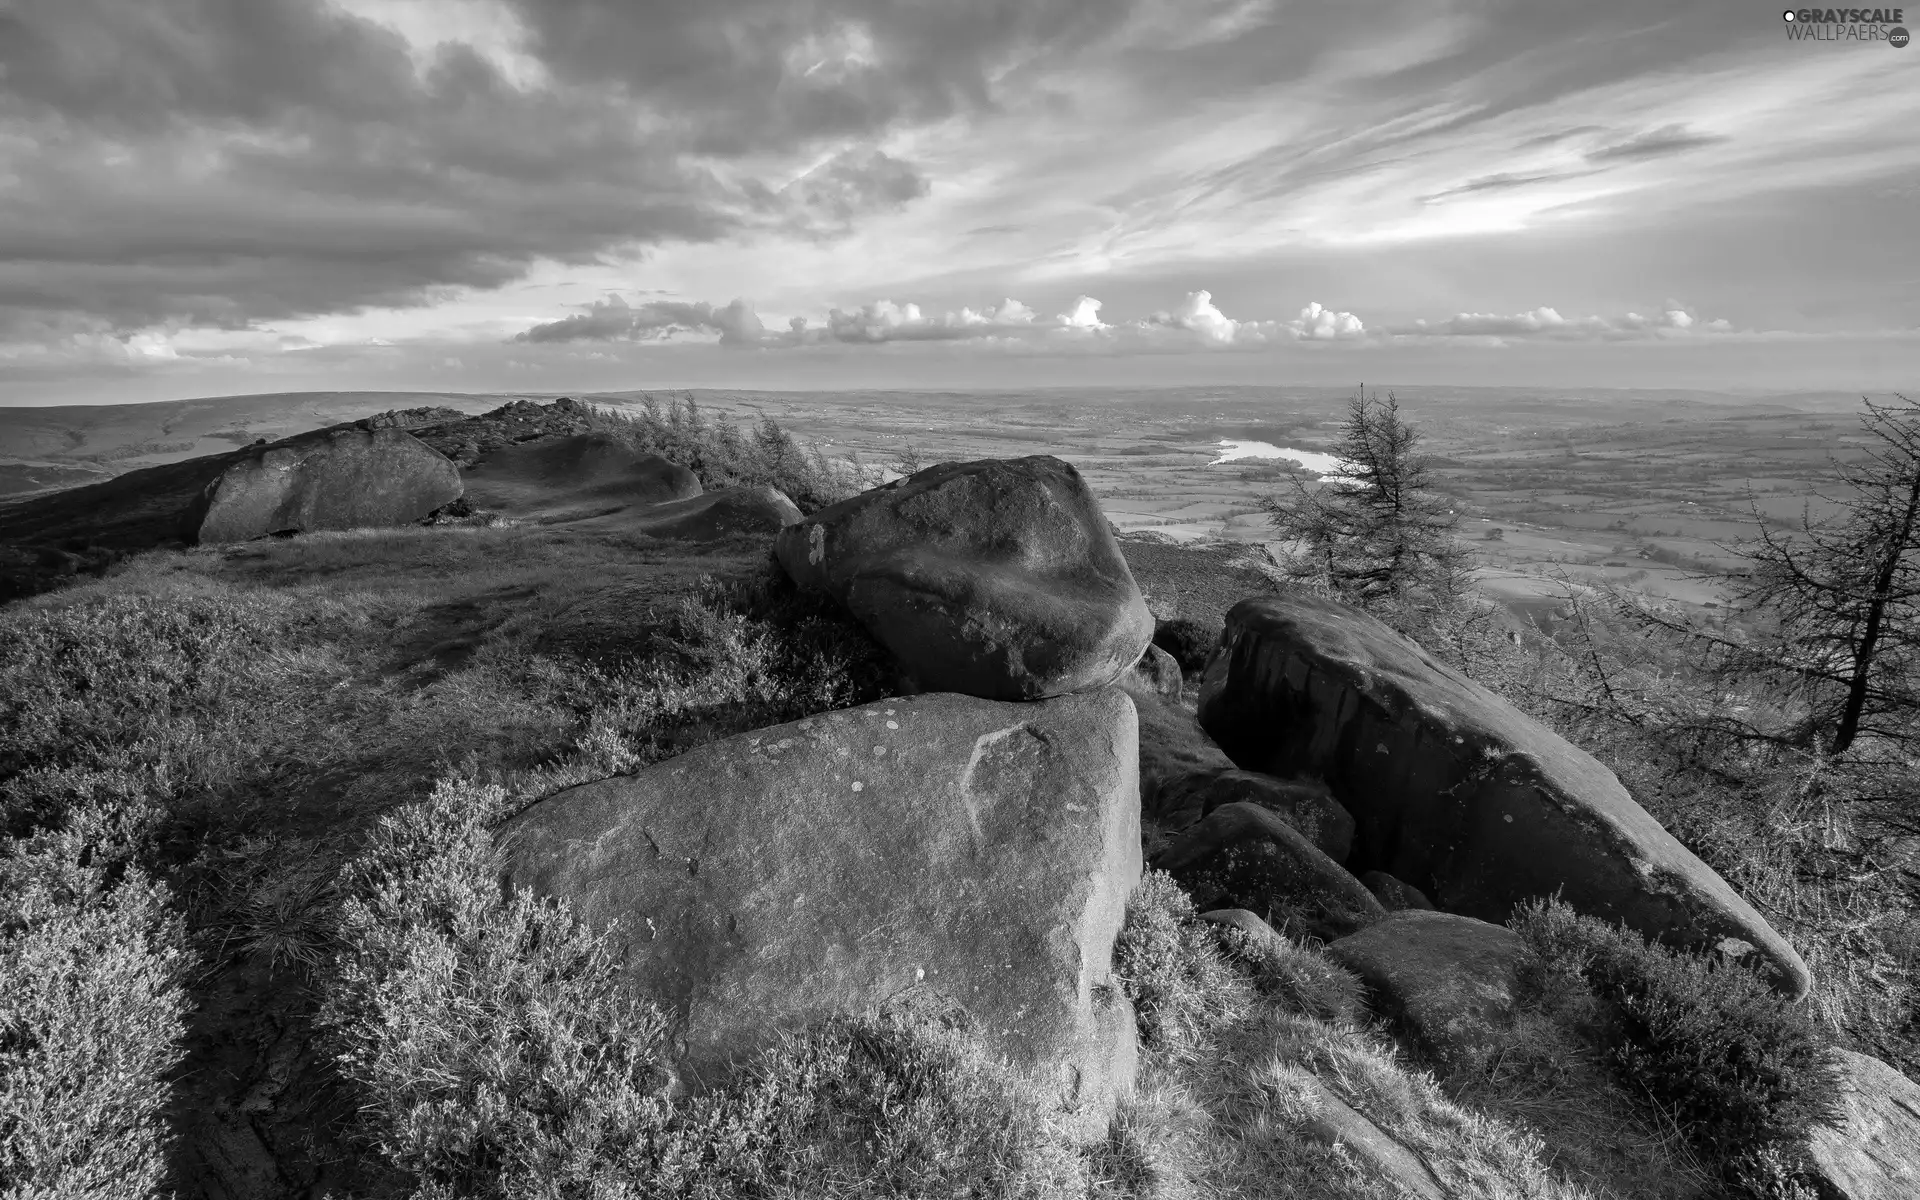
{"x": 998, "y": 578}
{"x": 1246, "y": 856}
{"x": 340, "y": 478}
{"x": 1873, "y": 1153}
{"x": 981, "y": 851}
{"x": 714, "y": 515}
{"x": 1454, "y": 790}
{"x": 1446, "y": 980}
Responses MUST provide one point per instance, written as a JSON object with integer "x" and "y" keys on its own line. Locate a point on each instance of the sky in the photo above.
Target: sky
{"x": 208, "y": 197}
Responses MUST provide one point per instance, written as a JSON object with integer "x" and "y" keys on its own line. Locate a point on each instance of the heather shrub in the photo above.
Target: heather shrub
{"x": 494, "y": 1050}
{"x": 92, "y": 1010}
{"x": 1190, "y": 642}
{"x": 1741, "y": 1070}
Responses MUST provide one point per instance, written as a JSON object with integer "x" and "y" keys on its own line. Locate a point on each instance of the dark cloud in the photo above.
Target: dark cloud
{"x": 224, "y": 162}
{"x": 1657, "y": 143}
{"x": 744, "y": 74}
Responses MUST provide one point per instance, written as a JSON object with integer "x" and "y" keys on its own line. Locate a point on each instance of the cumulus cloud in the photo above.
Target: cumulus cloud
{"x": 1324, "y": 324}
{"x": 1085, "y": 314}
{"x": 1197, "y": 323}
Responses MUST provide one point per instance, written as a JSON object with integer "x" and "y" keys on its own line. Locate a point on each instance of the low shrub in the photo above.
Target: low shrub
{"x": 721, "y": 454}
{"x": 1744, "y": 1072}
{"x": 1190, "y": 642}
{"x": 92, "y": 1011}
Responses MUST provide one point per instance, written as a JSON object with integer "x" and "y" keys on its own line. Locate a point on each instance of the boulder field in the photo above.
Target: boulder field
{"x": 978, "y": 851}
{"x": 1452, "y": 789}
{"x": 997, "y": 578}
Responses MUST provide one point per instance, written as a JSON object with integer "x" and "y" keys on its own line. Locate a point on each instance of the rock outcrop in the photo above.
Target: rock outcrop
{"x": 1445, "y": 980}
{"x": 597, "y": 471}
{"x": 341, "y": 478}
{"x": 997, "y": 578}
{"x": 1874, "y": 1152}
{"x": 1452, "y": 789}
{"x": 981, "y": 851}
{"x": 1245, "y": 856}
{"x": 715, "y": 515}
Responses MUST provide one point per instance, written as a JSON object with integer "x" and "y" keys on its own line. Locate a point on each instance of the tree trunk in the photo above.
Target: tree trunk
{"x": 1876, "y": 614}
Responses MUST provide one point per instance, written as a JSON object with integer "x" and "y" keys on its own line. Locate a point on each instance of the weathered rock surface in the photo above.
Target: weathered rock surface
{"x": 1445, "y": 980}
{"x": 342, "y": 478}
{"x": 983, "y": 851}
{"x": 1874, "y": 1153}
{"x": 714, "y": 515}
{"x": 997, "y": 578}
{"x": 1395, "y": 895}
{"x": 1157, "y": 672}
{"x": 1245, "y": 856}
{"x": 1451, "y": 788}
{"x": 1304, "y": 804}
{"x": 558, "y": 475}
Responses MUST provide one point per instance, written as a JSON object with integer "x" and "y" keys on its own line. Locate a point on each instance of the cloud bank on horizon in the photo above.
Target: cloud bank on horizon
{"x": 231, "y": 195}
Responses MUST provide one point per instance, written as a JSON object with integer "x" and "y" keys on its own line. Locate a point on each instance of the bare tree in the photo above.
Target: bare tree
{"x": 1841, "y": 596}
{"x": 1377, "y": 529}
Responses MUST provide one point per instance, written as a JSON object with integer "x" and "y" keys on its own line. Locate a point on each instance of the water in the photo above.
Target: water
{"x": 1312, "y": 460}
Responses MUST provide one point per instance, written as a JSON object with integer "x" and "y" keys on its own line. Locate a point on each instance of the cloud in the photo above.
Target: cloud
{"x": 1197, "y": 323}
{"x": 1324, "y": 324}
{"x": 613, "y": 319}
{"x": 852, "y": 184}
{"x": 1085, "y": 314}
{"x": 1548, "y": 323}
{"x": 1658, "y": 143}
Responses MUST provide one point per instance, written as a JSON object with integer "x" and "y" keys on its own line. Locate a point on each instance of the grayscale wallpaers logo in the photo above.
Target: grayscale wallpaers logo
{"x": 1847, "y": 25}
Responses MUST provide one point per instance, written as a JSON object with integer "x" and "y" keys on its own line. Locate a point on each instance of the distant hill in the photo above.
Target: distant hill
{"x": 73, "y": 444}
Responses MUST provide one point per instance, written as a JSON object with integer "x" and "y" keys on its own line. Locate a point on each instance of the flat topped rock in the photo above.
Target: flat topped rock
{"x": 999, "y": 578}
{"x": 1454, "y": 790}
{"x": 980, "y": 850}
